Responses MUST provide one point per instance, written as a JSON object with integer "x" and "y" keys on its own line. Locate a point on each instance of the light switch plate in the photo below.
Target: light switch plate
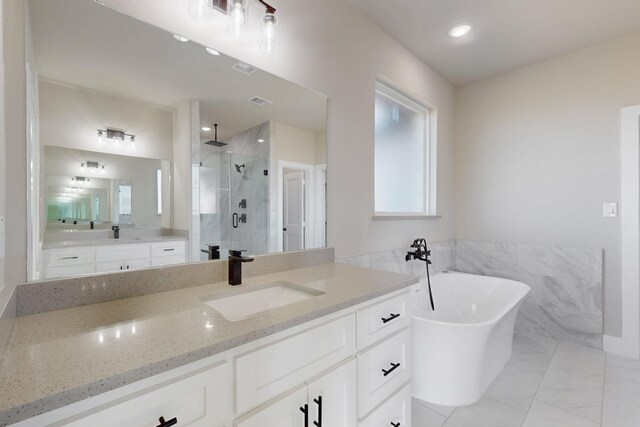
{"x": 610, "y": 210}
{"x": 2, "y": 234}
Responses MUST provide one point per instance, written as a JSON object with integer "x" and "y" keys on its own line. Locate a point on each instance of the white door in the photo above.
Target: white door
{"x": 332, "y": 398}
{"x": 285, "y": 412}
{"x": 293, "y": 218}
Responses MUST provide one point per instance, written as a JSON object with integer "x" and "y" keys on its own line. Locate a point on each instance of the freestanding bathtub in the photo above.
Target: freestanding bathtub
{"x": 460, "y": 348}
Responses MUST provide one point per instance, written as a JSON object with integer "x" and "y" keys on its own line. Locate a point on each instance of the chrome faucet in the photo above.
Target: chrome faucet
{"x": 235, "y": 266}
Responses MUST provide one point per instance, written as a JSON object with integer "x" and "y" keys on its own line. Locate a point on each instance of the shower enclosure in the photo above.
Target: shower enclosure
{"x": 234, "y": 201}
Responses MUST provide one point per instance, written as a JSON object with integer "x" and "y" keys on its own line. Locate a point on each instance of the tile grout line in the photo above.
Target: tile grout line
{"x": 546, "y": 369}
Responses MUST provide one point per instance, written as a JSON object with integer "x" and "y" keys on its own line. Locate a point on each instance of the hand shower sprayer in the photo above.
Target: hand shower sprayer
{"x": 422, "y": 253}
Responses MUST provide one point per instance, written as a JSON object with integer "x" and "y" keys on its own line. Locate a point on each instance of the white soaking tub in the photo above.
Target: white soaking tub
{"x": 460, "y": 348}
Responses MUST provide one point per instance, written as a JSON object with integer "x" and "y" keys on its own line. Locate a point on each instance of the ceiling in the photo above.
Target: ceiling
{"x": 506, "y": 35}
{"x": 82, "y": 43}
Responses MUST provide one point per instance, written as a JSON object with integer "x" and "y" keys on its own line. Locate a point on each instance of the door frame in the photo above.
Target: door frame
{"x": 308, "y": 201}
{"x": 629, "y": 343}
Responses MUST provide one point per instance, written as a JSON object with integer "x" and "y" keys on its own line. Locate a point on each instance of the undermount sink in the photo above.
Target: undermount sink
{"x": 254, "y": 300}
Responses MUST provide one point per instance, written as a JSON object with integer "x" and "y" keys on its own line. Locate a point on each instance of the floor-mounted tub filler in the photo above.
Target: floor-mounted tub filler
{"x": 460, "y": 348}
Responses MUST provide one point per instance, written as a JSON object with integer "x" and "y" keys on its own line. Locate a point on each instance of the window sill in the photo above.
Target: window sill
{"x": 383, "y": 216}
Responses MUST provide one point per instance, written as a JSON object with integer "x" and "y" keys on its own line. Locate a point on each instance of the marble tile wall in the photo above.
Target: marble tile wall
{"x": 566, "y": 297}
{"x": 566, "y": 283}
{"x": 443, "y": 257}
{"x": 222, "y": 188}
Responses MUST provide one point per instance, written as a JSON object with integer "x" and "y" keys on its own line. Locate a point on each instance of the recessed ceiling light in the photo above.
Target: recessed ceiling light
{"x": 206, "y": 128}
{"x": 261, "y": 140}
{"x": 459, "y": 30}
{"x": 213, "y": 51}
{"x": 180, "y": 38}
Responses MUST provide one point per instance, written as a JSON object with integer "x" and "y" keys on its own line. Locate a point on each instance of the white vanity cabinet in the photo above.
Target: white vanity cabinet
{"x": 118, "y": 256}
{"x": 199, "y": 398}
{"x": 311, "y": 375}
{"x": 329, "y": 400}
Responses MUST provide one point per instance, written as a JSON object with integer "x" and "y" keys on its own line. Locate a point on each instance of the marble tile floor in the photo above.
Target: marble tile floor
{"x": 549, "y": 383}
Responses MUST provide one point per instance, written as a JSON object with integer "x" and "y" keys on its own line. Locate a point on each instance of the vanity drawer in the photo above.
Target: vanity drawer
{"x": 68, "y": 257}
{"x": 395, "y": 411}
{"x": 118, "y": 252}
{"x": 275, "y": 368}
{"x": 167, "y": 249}
{"x": 200, "y": 399}
{"x": 382, "y": 319}
{"x": 68, "y": 271}
{"x": 382, "y": 370}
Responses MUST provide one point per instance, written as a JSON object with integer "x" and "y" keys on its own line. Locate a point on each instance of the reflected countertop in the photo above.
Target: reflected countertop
{"x": 57, "y": 358}
{"x": 103, "y": 242}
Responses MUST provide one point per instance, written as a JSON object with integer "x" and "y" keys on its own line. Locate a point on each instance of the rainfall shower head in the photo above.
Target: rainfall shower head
{"x": 215, "y": 141}
{"x": 239, "y": 168}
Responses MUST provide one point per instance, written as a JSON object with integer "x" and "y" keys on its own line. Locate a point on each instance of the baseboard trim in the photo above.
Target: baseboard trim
{"x": 619, "y": 347}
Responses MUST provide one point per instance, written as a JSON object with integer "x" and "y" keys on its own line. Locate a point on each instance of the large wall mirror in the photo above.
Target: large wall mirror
{"x": 140, "y": 134}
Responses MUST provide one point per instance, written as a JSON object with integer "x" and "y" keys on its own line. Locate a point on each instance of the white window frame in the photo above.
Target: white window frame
{"x": 392, "y": 90}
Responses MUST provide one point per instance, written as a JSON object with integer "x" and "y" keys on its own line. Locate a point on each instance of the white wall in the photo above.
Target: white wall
{"x": 70, "y": 117}
{"x": 538, "y": 152}
{"x": 328, "y": 47}
{"x": 293, "y": 144}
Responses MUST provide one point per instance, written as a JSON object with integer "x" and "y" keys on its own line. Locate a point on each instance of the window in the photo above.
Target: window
{"x": 402, "y": 155}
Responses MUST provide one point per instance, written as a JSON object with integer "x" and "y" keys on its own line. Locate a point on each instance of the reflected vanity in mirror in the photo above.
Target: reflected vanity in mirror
{"x": 169, "y": 146}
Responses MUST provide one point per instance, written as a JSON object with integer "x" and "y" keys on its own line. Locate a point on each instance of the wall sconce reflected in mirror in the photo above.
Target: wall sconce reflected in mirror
{"x": 93, "y": 167}
{"x": 115, "y": 135}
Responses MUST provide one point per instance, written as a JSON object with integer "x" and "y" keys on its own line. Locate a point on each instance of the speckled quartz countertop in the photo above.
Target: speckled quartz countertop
{"x": 60, "y": 357}
{"x": 101, "y": 242}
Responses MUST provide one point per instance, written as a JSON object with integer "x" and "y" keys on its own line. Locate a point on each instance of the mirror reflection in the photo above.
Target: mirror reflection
{"x": 85, "y": 186}
{"x": 143, "y": 135}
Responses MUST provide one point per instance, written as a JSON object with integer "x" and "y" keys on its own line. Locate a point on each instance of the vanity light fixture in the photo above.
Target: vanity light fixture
{"x": 236, "y": 10}
{"x": 114, "y": 134}
{"x": 180, "y": 38}
{"x": 459, "y": 30}
{"x": 202, "y": 10}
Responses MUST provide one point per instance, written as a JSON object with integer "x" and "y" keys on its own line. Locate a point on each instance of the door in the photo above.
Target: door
{"x": 293, "y": 217}
{"x": 284, "y": 412}
{"x": 332, "y": 398}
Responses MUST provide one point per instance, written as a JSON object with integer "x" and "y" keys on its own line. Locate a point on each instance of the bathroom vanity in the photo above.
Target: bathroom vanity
{"x": 67, "y": 259}
{"x": 334, "y": 351}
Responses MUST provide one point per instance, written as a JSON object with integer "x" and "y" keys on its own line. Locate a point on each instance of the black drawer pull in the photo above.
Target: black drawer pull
{"x": 169, "y": 250}
{"x": 390, "y": 318}
{"x": 394, "y": 366}
{"x": 319, "y": 403}
{"x": 173, "y": 421}
{"x": 395, "y": 424}
{"x": 305, "y": 410}
{"x": 70, "y": 257}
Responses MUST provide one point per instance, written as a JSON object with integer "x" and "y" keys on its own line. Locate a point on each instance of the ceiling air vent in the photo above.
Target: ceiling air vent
{"x": 260, "y": 101}
{"x": 243, "y": 68}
